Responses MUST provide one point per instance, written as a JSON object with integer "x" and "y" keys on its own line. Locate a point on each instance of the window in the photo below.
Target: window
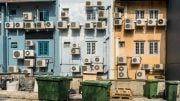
{"x": 66, "y": 44}
{"x": 153, "y": 14}
{"x": 139, "y": 47}
{"x": 44, "y": 15}
{"x": 43, "y": 48}
{"x": 91, "y": 47}
{"x": 121, "y": 44}
{"x": 139, "y": 14}
{"x": 12, "y": 12}
{"x": 153, "y": 47}
{"x": 91, "y": 15}
{"x": 14, "y": 45}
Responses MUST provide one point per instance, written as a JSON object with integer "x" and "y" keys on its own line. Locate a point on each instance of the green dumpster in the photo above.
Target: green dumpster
{"x": 171, "y": 90}
{"x": 151, "y": 89}
{"x": 53, "y": 88}
{"x": 93, "y": 90}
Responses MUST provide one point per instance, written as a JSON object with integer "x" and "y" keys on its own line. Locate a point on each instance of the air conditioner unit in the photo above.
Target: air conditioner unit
{"x": 152, "y": 22}
{"x": 18, "y": 54}
{"x": 75, "y": 25}
{"x": 158, "y": 67}
{"x": 122, "y": 72}
{"x": 99, "y": 3}
{"x": 98, "y": 59}
{"x": 41, "y": 63}
{"x": 146, "y": 67}
{"x": 40, "y": 25}
{"x": 121, "y": 60}
{"x": 129, "y": 24}
{"x": 29, "y": 25}
{"x": 29, "y": 62}
{"x": 140, "y": 22}
{"x": 27, "y": 71}
{"x": 75, "y": 51}
{"x": 98, "y": 68}
{"x": 100, "y": 25}
{"x": 27, "y": 16}
{"x": 140, "y": 75}
{"x": 64, "y": 14}
{"x": 49, "y": 25}
{"x": 161, "y": 22}
{"x": 29, "y": 43}
{"x": 29, "y": 53}
{"x": 19, "y": 25}
{"x": 9, "y": 25}
{"x": 87, "y": 60}
{"x": 136, "y": 60}
{"x": 75, "y": 69}
{"x": 74, "y": 45}
{"x": 101, "y": 14}
{"x": 85, "y": 68}
{"x": 117, "y": 15}
{"x": 117, "y": 22}
{"x": 13, "y": 69}
{"x": 88, "y": 3}
{"x": 89, "y": 25}
{"x": 62, "y": 25}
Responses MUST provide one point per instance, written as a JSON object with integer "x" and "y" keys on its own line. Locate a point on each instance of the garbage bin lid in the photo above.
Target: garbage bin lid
{"x": 151, "y": 80}
{"x": 172, "y": 82}
{"x": 53, "y": 78}
{"x": 97, "y": 83}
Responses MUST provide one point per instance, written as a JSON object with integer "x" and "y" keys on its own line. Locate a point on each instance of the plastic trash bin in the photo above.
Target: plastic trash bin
{"x": 151, "y": 89}
{"x": 171, "y": 90}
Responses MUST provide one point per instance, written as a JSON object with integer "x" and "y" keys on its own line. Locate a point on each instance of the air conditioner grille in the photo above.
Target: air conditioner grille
{"x": 74, "y": 45}
{"x": 11, "y": 69}
{"x": 39, "y": 63}
{"x": 7, "y": 24}
{"x": 134, "y": 60}
{"x": 99, "y": 3}
{"x": 121, "y": 74}
{"x": 25, "y": 16}
{"x": 150, "y": 22}
{"x": 63, "y": 14}
{"x": 60, "y": 24}
{"x": 25, "y": 71}
{"x": 117, "y": 22}
{"x": 17, "y": 24}
{"x": 27, "y": 53}
{"x": 128, "y": 20}
{"x": 96, "y": 67}
{"x": 101, "y": 13}
{"x": 88, "y": 3}
{"x": 73, "y": 68}
{"x": 128, "y": 25}
{"x": 121, "y": 69}
{"x": 97, "y": 59}
{"x": 99, "y": 24}
{"x": 28, "y": 25}
{"x": 87, "y": 25}
{"x": 73, "y": 24}
{"x": 27, "y": 63}
{"x": 160, "y": 21}
{"x": 139, "y": 21}
{"x": 38, "y": 25}
{"x": 121, "y": 59}
{"x": 48, "y": 24}
{"x": 86, "y": 60}
{"x": 73, "y": 51}
{"x": 139, "y": 74}
{"x": 16, "y": 54}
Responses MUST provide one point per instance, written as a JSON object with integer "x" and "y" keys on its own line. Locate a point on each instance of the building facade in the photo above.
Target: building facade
{"x": 139, "y": 39}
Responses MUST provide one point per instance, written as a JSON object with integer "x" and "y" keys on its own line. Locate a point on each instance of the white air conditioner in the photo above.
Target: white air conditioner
{"x": 89, "y": 25}
{"x": 29, "y": 53}
{"x": 158, "y": 67}
{"x": 140, "y": 75}
{"x": 121, "y": 60}
{"x": 100, "y": 25}
{"x": 88, "y": 3}
{"x": 29, "y": 25}
{"x": 146, "y": 67}
{"x": 85, "y": 68}
{"x": 64, "y": 14}
{"x": 101, "y": 14}
{"x": 13, "y": 69}
{"x": 75, "y": 51}
{"x": 98, "y": 68}
{"x": 27, "y": 16}
{"x": 75, "y": 69}
{"x": 18, "y": 54}
{"x": 136, "y": 60}
{"x": 40, "y": 25}
{"x": 98, "y": 59}
{"x": 117, "y": 22}
{"x": 29, "y": 62}
{"x": 161, "y": 22}
{"x": 129, "y": 24}
{"x": 75, "y": 25}
{"x": 9, "y": 25}
{"x": 74, "y": 45}
{"x": 27, "y": 71}
{"x": 152, "y": 22}
{"x": 62, "y": 25}
{"x": 122, "y": 72}
{"x": 29, "y": 43}
{"x": 117, "y": 15}
{"x": 49, "y": 25}
{"x": 19, "y": 25}
{"x": 87, "y": 60}
{"x": 99, "y": 3}
{"x": 140, "y": 22}
{"x": 41, "y": 63}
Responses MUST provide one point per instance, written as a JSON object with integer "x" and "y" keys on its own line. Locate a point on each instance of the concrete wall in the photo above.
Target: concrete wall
{"x": 144, "y": 33}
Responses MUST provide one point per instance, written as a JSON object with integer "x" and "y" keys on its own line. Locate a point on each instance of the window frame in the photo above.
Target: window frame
{"x": 139, "y": 15}
{"x": 90, "y": 15}
{"x": 43, "y": 48}
{"x": 91, "y": 47}
{"x": 154, "y": 16}
{"x": 153, "y": 47}
{"x": 139, "y": 47}
{"x": 45, "y": 15}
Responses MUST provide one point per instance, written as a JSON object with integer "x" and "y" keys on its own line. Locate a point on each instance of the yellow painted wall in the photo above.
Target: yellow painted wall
{"x": 144, "y": 33}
